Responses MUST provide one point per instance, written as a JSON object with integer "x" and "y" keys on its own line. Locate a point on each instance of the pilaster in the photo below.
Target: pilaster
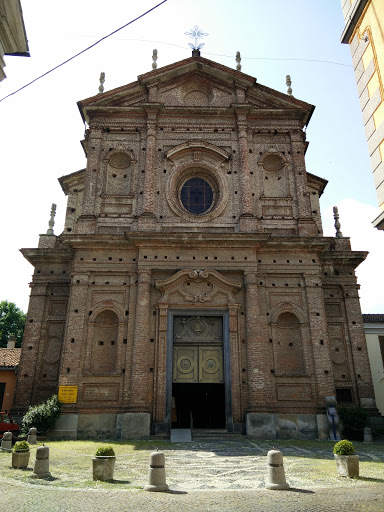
{"x": 139, "y": 378}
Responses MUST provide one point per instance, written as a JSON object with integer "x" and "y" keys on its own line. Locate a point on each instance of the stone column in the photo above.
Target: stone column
{"x": 139, "y": 377}
{"x": 306, "y": 224}
{"x": 247, "y": 220}
{"x": 75, "y": 337}
{"x": 255, "y": 347}
{"x": 358, "y": 346}
{"x": 87, "y": 220}
{"x": 160, "y": 376}
{"x": 235, "y": 352}
{"x": 147, "y": 218}
{"x": 30, "y": 364}
{"x": 318, "y": 336}
{"x": 246, "y": 208}
{"x": 130, "y": 335}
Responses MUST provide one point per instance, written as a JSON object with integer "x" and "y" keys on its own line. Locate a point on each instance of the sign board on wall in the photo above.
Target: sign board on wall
{"x": 67, "y": 394}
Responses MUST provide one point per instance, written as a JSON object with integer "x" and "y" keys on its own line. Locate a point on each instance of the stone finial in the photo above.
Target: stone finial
{"x": 336, "y": 216}
{"x": 238, "y": 60}
{"x": 52, "y": 220}
{"x": 102, "y": 80}
{"x": 288, "y": 83}
{"x": 154, "y": 59}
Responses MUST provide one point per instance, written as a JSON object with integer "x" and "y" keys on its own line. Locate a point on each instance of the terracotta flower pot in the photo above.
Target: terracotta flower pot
{"x": 103, "y": 468}
{"x": 347, "y": 465}
{"x": 20, "y": 459}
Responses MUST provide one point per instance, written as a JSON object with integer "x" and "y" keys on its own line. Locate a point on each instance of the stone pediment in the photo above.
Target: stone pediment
{"x": 194, "y": 82}
{"x": 197, "y": 287}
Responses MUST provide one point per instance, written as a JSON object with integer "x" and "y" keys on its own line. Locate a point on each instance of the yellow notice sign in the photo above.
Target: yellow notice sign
{"x": 67, "y": 394}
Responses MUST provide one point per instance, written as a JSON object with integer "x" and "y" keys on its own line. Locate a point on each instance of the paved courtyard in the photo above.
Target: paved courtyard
{"x": 206, "y": 476}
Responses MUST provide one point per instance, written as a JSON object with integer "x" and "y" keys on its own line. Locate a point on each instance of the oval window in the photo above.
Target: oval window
{"x": 196, "y": 195}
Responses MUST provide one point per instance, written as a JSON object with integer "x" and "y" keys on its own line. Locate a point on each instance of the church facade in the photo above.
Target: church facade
{"x": 192, "y": 286}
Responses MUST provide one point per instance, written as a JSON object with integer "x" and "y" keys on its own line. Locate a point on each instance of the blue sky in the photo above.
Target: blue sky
{"x": 41, "y": 127}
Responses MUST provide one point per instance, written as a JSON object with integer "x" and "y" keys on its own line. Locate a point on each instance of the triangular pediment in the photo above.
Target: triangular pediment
{"x": 195, "y": 83}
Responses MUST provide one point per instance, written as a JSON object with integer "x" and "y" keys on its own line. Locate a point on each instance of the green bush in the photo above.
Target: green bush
{"x": 21, "y": 446}
{"x": 42, "y": 416}
{"x": 105, "y": 451}
{"x": 344, "y": 447}
{"x": 354, "y": 420}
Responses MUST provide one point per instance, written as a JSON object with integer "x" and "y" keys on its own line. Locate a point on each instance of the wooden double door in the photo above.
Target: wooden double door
{"x": 198, "y": 372}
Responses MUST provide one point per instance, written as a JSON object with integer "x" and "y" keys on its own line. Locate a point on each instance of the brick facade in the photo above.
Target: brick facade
{"x": 133, "y": 257}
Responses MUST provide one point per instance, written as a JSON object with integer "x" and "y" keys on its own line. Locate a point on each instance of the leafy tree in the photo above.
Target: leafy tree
{"x": 42, "y": 416}
{"x": 12, "y": 321}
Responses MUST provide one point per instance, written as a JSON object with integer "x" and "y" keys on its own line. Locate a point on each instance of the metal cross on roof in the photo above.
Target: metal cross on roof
{"x": 196, "y": 33}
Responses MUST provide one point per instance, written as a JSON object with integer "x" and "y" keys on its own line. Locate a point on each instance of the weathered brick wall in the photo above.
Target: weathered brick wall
{"x": 260, "y": 245}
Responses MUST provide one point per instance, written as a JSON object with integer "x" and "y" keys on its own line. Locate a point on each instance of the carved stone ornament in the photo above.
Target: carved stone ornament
{"x": 197, "y": 286}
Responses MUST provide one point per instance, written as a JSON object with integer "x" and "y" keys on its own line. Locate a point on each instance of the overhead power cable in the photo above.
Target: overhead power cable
{"x": 85, "y": 50}
{"x": 232, "y": 56}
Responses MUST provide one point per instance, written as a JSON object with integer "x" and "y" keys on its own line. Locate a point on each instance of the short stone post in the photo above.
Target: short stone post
{"x": 41, "y": 467}
{"x": 156, "y": 478}
{"x": 6, "y": 442}
{"x": 368, "y": 438}
{"x": 32, "y": 436}
{"x": 276, "y": 474}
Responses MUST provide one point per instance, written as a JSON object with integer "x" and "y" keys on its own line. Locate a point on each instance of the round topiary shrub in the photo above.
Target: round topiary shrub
{"x": 105, "y": 451}
{"x": 344, "y": 447}
{"x": 21, "y": 446}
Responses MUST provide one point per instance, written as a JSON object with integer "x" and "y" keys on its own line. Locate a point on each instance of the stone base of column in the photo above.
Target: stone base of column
{"x": 248, "y": 224}
{"x": 86, "y": 224}
{"x": 282, "y": 426}
{"x": 307, "y": 227}
{"x": 147, "y": 222}
{"x": 134, "y": 425}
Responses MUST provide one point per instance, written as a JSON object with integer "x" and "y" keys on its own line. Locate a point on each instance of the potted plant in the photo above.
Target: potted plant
{"x": 104, "y": 463}
{"x": 20, "y": 455}
{"x": 347, "y": 463}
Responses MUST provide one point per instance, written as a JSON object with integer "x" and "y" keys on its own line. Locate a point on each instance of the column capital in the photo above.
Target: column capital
{"x": 250, "y": 277}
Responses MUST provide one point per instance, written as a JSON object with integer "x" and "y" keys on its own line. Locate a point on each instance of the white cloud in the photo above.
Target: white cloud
{"x": 356, "y": 222}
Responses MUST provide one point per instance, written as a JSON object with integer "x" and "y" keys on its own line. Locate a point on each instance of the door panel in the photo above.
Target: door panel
{"x": 197, "y": 364}
{"x": 211, "y": 365}
{"x": 185, "y": 364}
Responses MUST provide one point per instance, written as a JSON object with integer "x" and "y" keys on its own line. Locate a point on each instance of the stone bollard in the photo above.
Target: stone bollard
{"x": 276, "y": 474}
{"x": 6, "y": 442}
{"x": 32, "y": 436}
{"x": 368, "y": 435}
{"x": 41, "y": 467}
{"x": 156, "y": 478}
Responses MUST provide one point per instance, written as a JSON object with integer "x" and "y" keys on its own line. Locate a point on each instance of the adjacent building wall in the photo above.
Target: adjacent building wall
{"x": 374, "y": 332}
{"x": 364, "y": 32}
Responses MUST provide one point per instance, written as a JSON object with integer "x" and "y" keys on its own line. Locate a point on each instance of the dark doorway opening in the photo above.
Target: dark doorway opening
{"x": 198, "y": 406}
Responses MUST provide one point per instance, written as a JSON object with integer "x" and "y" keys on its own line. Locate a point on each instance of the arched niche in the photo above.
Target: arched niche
{"x": 274, "y": 174}
{"x": 104, "y": 342}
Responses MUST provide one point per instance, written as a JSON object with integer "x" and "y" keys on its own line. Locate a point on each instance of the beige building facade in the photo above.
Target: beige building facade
{"x": 374, "y": 331}
{"x": 192, "y": 286}
{"x": 364, "y": 32}
{"x": 13, "y": 39}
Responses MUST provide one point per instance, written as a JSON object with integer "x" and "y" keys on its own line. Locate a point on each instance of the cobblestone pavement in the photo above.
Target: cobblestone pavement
{"x": 22, "y": 498}
{"x": 213, "y": 476}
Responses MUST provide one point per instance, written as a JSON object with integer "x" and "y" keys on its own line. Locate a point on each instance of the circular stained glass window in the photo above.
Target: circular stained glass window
{"x": 196, "y": 195}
